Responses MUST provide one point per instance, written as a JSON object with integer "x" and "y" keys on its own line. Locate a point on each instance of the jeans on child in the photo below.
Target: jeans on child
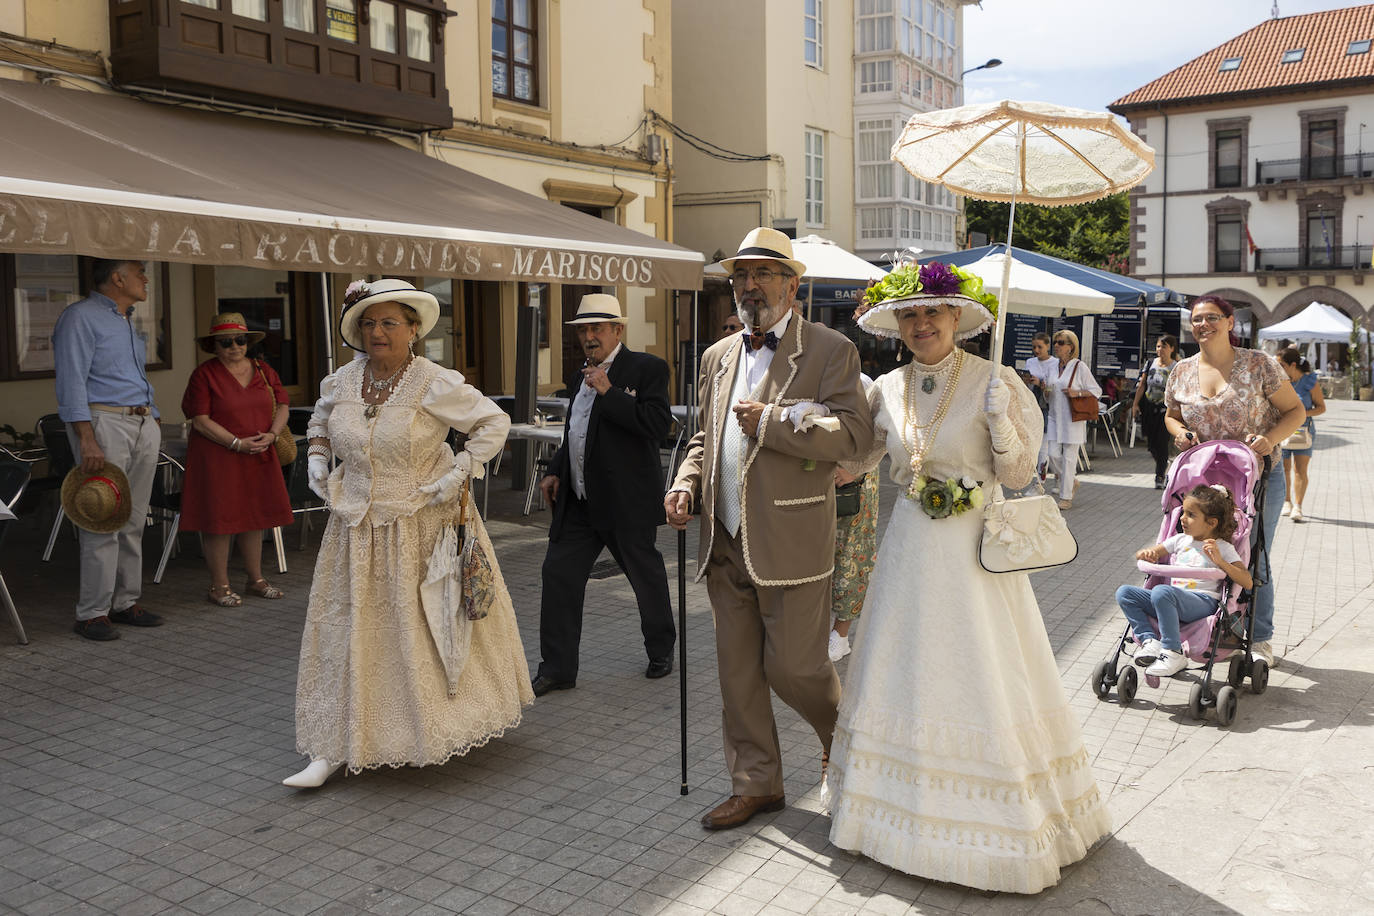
{"x": 1169, "y": 605}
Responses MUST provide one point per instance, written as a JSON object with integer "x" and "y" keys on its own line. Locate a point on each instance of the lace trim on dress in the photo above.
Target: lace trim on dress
{"x": 1031, "y": 741}
{"x": 1015, "y": 467}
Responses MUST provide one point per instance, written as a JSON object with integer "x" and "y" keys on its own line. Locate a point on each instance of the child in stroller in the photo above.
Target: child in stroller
{"x": 1208, "y": 522}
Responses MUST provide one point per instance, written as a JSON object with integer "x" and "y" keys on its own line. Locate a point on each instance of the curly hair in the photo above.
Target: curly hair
{"x": 1216, "y": 503}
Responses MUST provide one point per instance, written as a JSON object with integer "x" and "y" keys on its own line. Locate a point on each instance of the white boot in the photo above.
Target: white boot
{"x": 313, "y": 776}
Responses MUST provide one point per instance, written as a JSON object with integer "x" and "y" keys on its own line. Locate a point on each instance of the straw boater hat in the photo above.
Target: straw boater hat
{"x": 932, "y": 284}
{"x": 764, "y": 244}
{"x": 99, "y": 502}
{"x": 363, "y": 293}
{"x": 596, "y": 307}
{"x": 228, "y": 324}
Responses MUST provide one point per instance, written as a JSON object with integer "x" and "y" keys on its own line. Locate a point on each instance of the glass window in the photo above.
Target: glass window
{"x": 1292, "y": 56}
{"x": 1321, "y": 149}
{"x": 208, "y": 4}
{"x": 1358, "y": 47}
{"x": 341, "y": 20}
{"x": 43, "y": 286}
{"x": 814, "y": 143}
{"x": 419, "y": 36}
{"x": 875, "y": 222}
{"x": 382, "y": 25}
{"x": 875, "y": 76}
{"x": 298, "y": 15}
{"x": 437, "y": 345}
{"x": 1230, "y": 63}
{"x": 875, "y": 26}
{"x": 1320, "y": 252}
{"x": 1228, "y": 165}
{"x": 250, "y": 9}
{"x": 514, "y": 51}
{"x": 812, "y": 21}
{"x": 1228, "y": 250}
{"x": 875, "y": 166}
{"x": 264, "y": 298}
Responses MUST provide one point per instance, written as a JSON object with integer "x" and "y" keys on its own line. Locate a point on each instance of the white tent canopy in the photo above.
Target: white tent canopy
{"x": 1318, "y": 323}
{"x": 1038, "y": 292}
{"x": 824, "y": 260}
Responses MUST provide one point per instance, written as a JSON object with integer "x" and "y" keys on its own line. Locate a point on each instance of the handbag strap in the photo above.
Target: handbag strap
{"x": 271, "y": 398}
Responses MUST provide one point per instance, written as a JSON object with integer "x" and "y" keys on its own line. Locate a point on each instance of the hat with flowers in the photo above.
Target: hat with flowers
{"x": 912, "y": 284}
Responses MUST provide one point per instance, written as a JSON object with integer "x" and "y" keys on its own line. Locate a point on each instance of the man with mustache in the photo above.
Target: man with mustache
{"x": 605, "y": 484}
{"x": 763, "y": 467}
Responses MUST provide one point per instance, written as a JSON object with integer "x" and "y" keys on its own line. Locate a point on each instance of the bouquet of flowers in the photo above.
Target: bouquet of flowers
{"x": 943, "y": 498}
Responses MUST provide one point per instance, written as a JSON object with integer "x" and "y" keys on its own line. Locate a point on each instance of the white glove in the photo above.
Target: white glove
{"x": 997, "y": 400}
{"x": 317, "y": 476}
{"x": 446, "y": 488}
{"x": 803, "y": 416}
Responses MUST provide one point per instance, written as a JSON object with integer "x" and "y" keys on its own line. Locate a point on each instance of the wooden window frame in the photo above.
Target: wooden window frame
{"x": 507, "y": 55}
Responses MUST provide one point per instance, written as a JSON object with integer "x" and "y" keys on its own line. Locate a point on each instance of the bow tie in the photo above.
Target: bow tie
{"x": 758, "y": 340}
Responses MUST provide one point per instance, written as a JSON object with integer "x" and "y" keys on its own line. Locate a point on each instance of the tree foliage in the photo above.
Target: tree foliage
{"x": 1096, "y": 233}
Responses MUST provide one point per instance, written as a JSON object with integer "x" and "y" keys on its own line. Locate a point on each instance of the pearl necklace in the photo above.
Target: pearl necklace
{"x": 916, "y": 443}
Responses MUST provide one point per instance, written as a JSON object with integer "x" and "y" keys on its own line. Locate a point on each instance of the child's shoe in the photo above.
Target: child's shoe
{"x": 1171, "y": 662}
{"x": 1148, "y": 652}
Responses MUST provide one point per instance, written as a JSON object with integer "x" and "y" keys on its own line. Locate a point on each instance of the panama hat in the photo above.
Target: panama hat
{"x": 99, "y": 502}
{"x": 227, "y": 324}
{"x": 596, "y": 307}
{"x": 362, "y": 294}
{"x": 764, "y": 244}
{"x": 934, "y": 283}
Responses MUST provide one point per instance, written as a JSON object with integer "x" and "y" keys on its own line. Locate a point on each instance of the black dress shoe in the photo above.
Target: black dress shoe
{"x": 542, "y": 684}
{"x": 659, "y": 667}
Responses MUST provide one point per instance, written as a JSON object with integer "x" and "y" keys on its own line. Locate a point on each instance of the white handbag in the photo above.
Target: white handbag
{"x": 1024, "y": 534}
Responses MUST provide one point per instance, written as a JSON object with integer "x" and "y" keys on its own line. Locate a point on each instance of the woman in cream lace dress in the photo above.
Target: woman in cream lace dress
{"x": 373, "y": 688}
{"x": 956, "y": 755}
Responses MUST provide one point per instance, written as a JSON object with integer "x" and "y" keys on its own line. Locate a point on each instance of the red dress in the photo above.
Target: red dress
{"x": 227, "y": 492}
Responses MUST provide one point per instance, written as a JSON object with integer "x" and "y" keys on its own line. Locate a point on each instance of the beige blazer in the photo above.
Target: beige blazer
{"x": 787, "y": 517}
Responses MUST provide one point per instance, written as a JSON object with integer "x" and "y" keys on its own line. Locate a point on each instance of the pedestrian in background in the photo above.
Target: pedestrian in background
{"x": 106, "y": 400}
{"x": 1295, "y": 480}
{"x": 234, "y": 487}
{"x": 1068, "y": 375}
{"x": 1148, "y": 403}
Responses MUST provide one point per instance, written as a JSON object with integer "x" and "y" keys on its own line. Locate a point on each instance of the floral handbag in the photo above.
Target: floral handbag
{"x": 1024, "y": 534}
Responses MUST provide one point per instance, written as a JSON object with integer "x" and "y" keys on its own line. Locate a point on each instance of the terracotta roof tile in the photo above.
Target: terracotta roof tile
{"x": 1325, "y": 36}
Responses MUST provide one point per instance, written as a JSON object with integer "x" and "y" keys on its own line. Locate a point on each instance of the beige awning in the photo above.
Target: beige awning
{"x": 99, "y": 174}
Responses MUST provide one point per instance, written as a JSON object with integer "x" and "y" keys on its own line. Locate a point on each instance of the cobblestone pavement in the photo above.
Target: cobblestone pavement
{"x": 143, "y": 776}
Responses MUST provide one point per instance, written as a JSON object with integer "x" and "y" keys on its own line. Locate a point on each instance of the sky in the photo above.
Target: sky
{"x": 1089, "y": 53}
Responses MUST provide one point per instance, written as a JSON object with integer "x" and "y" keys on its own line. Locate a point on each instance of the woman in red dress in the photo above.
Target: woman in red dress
{"x": 234, "y": 486}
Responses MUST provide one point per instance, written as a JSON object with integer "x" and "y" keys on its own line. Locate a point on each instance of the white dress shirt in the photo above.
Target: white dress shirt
{"x": 579, "y": 415}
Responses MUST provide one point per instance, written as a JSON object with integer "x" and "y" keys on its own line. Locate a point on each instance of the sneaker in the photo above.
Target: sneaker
{"x": 1159, "y": 483}
{"x": 1296, "y": 515}
{"x": 1264, "y": 650}
{"x": 839, "y": 646}
{"x": 1148, "y": 652}
{"x": 97, "y": 628}
{"x": 1287, "y": 508}
{"x": 135, "y": 616}
{"x": 1171, "y": 662}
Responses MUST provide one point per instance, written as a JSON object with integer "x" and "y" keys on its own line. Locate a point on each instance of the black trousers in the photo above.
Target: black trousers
{"x": 1156, "y": 435}
{"x": 567, "y": 564}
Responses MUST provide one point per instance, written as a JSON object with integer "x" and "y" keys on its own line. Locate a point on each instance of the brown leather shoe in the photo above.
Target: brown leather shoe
{"x": 738, "y": 809}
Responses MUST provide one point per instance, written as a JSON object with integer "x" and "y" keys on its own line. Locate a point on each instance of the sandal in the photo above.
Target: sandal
{"x": 264, "y": 589}
{"x": 223, "y": 597}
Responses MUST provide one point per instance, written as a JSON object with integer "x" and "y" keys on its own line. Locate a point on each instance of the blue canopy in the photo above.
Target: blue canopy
{"x": 1125, "y": 290}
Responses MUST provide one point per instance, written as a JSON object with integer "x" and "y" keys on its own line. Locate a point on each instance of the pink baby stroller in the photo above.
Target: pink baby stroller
{"x": 1229, "y": 632}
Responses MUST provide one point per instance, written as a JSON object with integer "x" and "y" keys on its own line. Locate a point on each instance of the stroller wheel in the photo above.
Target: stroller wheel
{"x": 1125, "y": 688}
{"x": 1101, "y": 685}
{"x": 1196, "y": 708}
{"x": 1235, "y": 673}
{"x": 1259, "y": 676}
{"x": 1226, "y": 705}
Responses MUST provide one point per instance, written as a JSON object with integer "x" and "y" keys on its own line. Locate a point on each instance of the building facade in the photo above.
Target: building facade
{"x": 506, "y": 98}
{"x": 1262, "y": 184}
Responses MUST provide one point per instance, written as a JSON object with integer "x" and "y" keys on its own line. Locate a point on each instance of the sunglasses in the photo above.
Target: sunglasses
{"x": 732, "y": 327}
{"x": 227, "y": 342}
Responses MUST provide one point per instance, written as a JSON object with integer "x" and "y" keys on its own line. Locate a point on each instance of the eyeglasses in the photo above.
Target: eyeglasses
{"x": 1198, "y": 321}
{"x": 227, "y": 342}
{"x": 759, "y": 274}
{"x": 366, "y": 325}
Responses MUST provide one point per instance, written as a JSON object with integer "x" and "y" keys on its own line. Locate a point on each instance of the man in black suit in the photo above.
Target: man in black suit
{"x": 605, "y": 484}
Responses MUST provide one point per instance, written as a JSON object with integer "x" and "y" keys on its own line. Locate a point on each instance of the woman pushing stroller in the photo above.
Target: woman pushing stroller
{"x": 1208, "y": 522}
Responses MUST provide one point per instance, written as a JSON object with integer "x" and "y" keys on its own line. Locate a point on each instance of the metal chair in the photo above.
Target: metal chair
{"x": 1107, "y": 420}
{"x": 165, "y": 504}
{"x": 61, "y": 459}
{"x": 303, "y": 502}
{"x": 14, "y": 478}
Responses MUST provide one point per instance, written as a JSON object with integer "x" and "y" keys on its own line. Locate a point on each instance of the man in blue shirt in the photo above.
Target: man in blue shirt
{"x": 104, "y": 397}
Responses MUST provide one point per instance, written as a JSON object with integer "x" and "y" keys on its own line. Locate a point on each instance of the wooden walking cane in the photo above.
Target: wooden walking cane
{"x": 682, "y": 645}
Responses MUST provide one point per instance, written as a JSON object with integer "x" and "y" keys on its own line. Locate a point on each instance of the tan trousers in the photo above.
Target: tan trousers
{"x": 112, "y": 564}
{"x": 767, "y": 637}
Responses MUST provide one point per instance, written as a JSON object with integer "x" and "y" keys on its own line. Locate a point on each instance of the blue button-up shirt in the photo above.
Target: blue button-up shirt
{"x": 100, "y": 359}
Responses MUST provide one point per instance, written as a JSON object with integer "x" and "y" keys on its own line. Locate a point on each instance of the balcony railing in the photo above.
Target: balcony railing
{"x": 1347, "y": 257}
{"x": 1315, "y": 168}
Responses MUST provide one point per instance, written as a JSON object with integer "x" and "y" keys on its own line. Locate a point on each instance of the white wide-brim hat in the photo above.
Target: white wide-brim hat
{"x": 362, "y": 294}
{"x": 764, "y": 244}
{"x": 596, "y": 307}
{"x": 881, "y": 319}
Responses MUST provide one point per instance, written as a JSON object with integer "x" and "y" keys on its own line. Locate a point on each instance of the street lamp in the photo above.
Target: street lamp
{"x": 992, "y": 62}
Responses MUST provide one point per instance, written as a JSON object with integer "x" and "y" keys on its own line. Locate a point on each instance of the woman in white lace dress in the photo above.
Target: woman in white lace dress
{"x": 373, "y": 688}
{"x": 956, "y": 756}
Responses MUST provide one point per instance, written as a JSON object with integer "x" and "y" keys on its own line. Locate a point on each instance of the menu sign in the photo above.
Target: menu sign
{"x": 1117, "y": 345}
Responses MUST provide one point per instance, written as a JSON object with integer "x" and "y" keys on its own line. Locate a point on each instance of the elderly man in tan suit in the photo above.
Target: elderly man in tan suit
{"x": 780, "y": 405}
